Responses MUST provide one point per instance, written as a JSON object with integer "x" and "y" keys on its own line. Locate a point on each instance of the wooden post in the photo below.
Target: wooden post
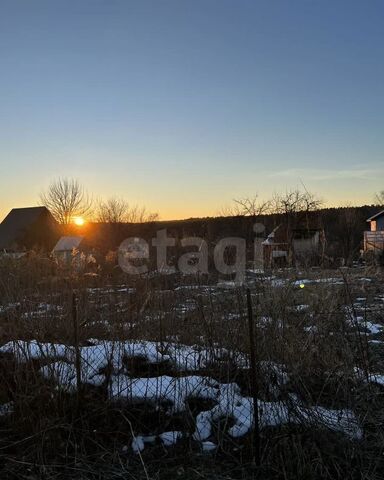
{"x": 254, "y": 386}
{"x": 76, "y": 341}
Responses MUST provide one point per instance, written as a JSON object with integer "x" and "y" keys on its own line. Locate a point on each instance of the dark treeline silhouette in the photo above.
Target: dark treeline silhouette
{"x": 343, "y": 229}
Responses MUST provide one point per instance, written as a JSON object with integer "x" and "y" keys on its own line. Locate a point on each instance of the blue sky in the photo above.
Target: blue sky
{"x": 183, "y": 105}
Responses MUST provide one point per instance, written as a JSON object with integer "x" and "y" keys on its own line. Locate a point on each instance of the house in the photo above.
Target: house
{"x": 374, "y": 238}
{"x": 307, "y": 245}
{"x": 75, "y": 252}
{"x": 301, "y": 244}
{"x": 28, "y": 228}
{"x": 275, "y": 249}
{"x": 66, "y": 248}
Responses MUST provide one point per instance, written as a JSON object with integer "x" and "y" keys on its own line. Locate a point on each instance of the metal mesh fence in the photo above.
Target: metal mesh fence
{"x": 193, "y": 367}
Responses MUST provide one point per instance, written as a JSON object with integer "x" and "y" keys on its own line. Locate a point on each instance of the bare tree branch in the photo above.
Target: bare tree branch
{"x": 295, "y": 201}
{"x": 247, "y": 206}
{"x": 117, "y": 210}
{"x": 379, "y": 198}
{"x": 65, "y": 198}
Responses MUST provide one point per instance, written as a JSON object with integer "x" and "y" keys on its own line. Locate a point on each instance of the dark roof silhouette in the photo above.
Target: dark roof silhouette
{"x": 379, "y": 214}
{"x": 19, "y": 223}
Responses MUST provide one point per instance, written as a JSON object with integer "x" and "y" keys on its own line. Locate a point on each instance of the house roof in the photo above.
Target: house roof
{"x": 271, "y": 237}
{"x": 66, "y": 244}
{"x": 17, "y": 222}
{"x": 379, "y": 214}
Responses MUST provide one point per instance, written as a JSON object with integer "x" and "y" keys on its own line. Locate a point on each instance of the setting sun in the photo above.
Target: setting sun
{"x": 79, "y": 221}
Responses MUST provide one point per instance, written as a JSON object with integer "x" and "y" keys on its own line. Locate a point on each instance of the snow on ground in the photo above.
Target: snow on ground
{"x": 9, "y": 307}
{"x": 137, "y": 444}
{"x": 232, "y": 404}
{"x": 167, "y": 438}
{"x": 229, "y": 404}
{"x": 301, "y": 308}
{"x": 170, "y": 438}
{"x": 373, "y": 328}
{"x": 34, "y": 350}
{"x": 39, "y": 310}
{"x": 369, "y": 377}
{"x": 111, "y": 289}
{"x": 111, "y": 354}
{"x": 208, "y": 447}
{"x": 333, "y": 281}
{"x": 280, "y": 282}
{"x": 164, "y": 389}
{"x": 361, "y": 321}
{"x": 173, "y": 392}
{"x": 311, "y": 329}
{"x": 189, "y": 288}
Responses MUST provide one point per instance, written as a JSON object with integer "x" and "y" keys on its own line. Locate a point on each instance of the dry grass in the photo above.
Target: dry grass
{"x": 55, "y": 434}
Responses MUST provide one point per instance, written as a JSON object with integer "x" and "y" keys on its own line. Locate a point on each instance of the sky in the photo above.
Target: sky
{"x": 183, "y": 105}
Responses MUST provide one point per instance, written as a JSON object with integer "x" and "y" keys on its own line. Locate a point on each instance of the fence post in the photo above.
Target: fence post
{"x": 254, "y": 381}
{"x": 76, "y": 341}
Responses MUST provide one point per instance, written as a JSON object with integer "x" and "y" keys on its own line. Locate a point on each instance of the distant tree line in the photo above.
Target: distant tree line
{"x": 343, "y": 226}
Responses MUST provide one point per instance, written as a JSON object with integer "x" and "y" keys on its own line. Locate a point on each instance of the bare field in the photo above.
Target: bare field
{"x": 106, "y": 376}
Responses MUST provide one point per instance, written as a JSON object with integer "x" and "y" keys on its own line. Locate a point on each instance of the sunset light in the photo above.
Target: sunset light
{"x": 192, "y": 239}
{"x": 79, "y": 221}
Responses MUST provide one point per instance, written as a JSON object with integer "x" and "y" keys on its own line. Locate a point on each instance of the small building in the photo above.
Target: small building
{"x": 66, "y": 248}
{"x": 307, "y": 245}
{"x": 275, "y": 249}
{"x": 374, "y": 238}
{"x": 301, "y": 245}
{"x": 24, "y": 229}
{"x": 75, "y": 252}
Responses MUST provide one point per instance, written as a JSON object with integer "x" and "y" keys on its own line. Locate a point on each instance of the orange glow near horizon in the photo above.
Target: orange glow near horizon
{"x": 79, "y": 221}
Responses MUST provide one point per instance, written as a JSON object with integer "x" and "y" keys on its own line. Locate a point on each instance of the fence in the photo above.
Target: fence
{"x": 196, "y": 368}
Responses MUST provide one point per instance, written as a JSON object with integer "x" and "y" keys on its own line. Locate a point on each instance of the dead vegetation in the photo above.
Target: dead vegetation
{"x": 319, "y": 340}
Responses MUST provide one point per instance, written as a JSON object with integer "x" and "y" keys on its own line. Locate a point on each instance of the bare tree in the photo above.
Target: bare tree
{"x": 117, "y": 210}
{"x": 139, "y": 214}
{"x": 295, "y": 201}
{"x": 247, "y": 206}
{"x": 66, "y": 199}
{"x": 295, "y": 207}
{"x": 379, "y": 198}
{"x": 112, "y": 210}
{"x": 252, "y": 206}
